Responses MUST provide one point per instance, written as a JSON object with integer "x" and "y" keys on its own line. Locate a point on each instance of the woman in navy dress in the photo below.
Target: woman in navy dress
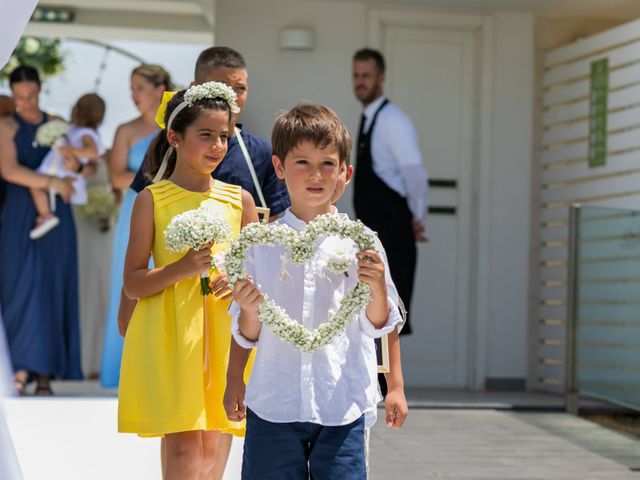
{"x": 38, "y": 278}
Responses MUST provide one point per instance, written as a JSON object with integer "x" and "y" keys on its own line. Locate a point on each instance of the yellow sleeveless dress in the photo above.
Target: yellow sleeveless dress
{"x": 164, "y": 385}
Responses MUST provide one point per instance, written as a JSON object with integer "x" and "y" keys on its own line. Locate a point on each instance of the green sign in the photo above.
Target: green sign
{"x": 599, "y": 91}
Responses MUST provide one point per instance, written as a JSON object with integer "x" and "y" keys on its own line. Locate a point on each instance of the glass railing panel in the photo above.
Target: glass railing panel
{"x": 608, "y": 304}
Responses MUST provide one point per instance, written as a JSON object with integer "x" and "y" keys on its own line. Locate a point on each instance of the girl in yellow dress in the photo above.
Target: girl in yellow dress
{"x": 177, "y": 344}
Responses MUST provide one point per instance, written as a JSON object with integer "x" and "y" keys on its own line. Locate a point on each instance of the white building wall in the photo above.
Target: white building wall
{"x": 278, "y": 79}
{"x": 510, "y": 195}
{"x": 566, "y": 179}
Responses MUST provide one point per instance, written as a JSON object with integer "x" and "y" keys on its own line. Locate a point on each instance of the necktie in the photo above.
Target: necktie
{"x": 363, "y": 121}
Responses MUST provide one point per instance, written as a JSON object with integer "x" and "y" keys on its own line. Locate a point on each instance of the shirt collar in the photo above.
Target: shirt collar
{"x": 294, "y": 222}
{"x": 233, "y": 140}
{"x": 370, "y": 110}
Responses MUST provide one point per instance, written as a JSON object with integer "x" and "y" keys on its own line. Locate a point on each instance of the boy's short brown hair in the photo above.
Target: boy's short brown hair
{"x": 307, "y": 122}
{"x": 88, "y": 111}
{"x": 214, "y": 57}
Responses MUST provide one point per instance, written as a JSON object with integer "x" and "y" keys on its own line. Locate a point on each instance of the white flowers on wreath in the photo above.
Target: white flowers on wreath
{"x": 299, "y": 247}
{"x": 195, "y": 228}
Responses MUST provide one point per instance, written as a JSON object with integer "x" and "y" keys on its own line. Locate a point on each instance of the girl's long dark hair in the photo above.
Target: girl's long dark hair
{"x": 186, "y": 117}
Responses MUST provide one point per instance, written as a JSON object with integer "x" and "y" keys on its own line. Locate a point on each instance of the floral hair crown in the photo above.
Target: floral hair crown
{"x": 191, "y": 97}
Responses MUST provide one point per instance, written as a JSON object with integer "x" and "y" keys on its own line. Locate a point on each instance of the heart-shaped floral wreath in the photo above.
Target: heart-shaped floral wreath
{"x": 299, "y": 247}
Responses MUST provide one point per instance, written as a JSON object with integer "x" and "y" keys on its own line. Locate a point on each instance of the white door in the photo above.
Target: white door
{"x": 431, "y": 76}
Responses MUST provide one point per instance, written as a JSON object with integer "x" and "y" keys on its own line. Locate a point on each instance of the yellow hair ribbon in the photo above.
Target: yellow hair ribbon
{"x": 162, "y": 109}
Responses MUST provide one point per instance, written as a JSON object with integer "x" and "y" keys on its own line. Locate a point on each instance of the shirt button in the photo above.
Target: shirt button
{"x": 309, "y": 276}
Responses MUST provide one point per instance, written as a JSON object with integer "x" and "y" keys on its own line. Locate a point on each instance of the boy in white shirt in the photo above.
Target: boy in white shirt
{"x": 307, "y": 412}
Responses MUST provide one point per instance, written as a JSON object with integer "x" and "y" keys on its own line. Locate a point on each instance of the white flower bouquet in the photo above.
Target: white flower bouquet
{"x": 100, "y": 206}
{"x": 51, "y": 133}
{"x": 194, "y": 229}
{"x": 300, "y": 247}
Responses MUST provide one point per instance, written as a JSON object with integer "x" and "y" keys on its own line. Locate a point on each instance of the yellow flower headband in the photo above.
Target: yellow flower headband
{"x": 191, "y": 96}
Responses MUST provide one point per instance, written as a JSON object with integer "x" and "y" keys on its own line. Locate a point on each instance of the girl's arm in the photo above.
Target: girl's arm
{"x": 88, "y": 150}
{"x": 141, "y": 282}
{"x": 238, "y": 356}
{"x": 15, "y": 173}
{"x": 249, "y": 212}
{"x": 119, "y": 175}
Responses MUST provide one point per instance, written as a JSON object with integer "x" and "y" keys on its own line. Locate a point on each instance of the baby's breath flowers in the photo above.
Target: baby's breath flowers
{"x": 212, "y": 90}
{"x": 51, "y": 133}
{"x": 299, "y": 247}
{"x": 192, "y": 230}
{"x": 100, "y": 206}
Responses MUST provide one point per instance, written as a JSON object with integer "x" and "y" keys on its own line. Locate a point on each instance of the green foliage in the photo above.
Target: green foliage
{"x": 44, "y": 54}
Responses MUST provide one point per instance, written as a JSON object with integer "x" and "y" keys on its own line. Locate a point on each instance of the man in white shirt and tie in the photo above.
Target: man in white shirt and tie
{"x": 390, "y": 182}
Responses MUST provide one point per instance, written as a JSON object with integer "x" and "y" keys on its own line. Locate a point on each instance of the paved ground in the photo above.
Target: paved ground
{"x": 74, "y": 438}
{"x": 496, "y": 445}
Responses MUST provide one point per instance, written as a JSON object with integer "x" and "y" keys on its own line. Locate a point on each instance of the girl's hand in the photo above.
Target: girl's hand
{"x": 195, "y": 261}
{"x": 64, "y": 187}
{"x": 220, "y": 287}
{"x": 371, "y": 271}
{"x": 247, "y": 295}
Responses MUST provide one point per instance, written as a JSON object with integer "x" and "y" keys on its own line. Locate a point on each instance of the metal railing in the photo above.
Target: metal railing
{"x": 603, "y": 306}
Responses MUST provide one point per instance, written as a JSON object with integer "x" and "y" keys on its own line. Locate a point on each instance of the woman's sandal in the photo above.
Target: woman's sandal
{"x": 43, "y": 391}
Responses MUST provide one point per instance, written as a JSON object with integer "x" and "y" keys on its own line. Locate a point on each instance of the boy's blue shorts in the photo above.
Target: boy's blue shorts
{"x": 300, "y": 450}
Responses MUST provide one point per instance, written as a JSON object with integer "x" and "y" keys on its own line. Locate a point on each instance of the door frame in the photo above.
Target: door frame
{"x": 482, "y": 27}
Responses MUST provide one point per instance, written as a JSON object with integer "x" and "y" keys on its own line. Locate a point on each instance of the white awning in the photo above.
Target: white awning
{"x": 186, "y": 21}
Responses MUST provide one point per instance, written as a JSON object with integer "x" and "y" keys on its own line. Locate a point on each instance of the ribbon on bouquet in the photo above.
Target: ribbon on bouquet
{"x": 206, "y": 367}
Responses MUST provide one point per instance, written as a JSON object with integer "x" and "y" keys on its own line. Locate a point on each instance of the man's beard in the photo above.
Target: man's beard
{"x": 367, "y": 96}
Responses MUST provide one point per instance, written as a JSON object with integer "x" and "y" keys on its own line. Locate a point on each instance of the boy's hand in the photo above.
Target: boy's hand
{"x": 234, "y": 399}
{"x": 371, "y": 271}
{"x": 395, "y": 405}
{"x": 247, "y": 295}
{"x": 220, "y": 287}
{"x": 195, "y": 261}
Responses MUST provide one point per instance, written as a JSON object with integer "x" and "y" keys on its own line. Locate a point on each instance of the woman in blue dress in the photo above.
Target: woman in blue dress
{"x": 38, "y": 278}
{"x": 148, "y": 83}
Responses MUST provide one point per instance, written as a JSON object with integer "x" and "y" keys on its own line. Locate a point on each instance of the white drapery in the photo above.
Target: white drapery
{"x": 14, "y": 16}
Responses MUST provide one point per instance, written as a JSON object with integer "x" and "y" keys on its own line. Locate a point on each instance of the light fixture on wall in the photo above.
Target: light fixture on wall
{"x": 296, "y": 38}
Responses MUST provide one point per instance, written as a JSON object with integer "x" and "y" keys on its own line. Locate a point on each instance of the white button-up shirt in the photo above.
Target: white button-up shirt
{"x": 337, "y": 383}
{"x": 396, "y": 156}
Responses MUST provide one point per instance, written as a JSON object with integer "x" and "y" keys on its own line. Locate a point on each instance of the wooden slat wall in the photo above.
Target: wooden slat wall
{"x": 565, "y": 174}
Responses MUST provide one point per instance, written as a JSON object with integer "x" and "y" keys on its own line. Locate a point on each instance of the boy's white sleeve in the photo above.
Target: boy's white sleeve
{"x": 397, "y": 313}
{"x": 234, "y": 311}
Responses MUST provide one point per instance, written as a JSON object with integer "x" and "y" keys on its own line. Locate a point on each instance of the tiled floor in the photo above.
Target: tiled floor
{"x": 462, "y": 435}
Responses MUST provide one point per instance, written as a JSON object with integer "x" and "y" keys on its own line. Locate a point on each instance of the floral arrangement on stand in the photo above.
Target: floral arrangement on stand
{"x": 43, "y": 54}
{"x": 100, "y": 207}
{"x": 194, "y": 229}
{"x": 299, "y": 248}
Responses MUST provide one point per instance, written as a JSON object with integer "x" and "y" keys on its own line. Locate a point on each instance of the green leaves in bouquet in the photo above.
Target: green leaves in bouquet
{"x": 43, "y": 54}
